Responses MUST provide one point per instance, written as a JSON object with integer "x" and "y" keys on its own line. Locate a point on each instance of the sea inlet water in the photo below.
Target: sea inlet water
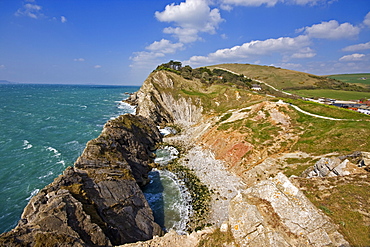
{"x": 43, "y": 130}
{"x": 167, "y": 195}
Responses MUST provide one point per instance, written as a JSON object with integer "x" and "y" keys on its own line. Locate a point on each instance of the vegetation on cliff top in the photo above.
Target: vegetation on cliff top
{"x": 284, "y": 79}
{"x": 205, "y": 75}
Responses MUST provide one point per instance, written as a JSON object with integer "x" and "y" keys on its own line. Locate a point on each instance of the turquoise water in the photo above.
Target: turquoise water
{"x": 43, "y": 129}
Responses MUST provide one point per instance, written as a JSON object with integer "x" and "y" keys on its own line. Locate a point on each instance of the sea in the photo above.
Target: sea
{"x": 44, "y": 129}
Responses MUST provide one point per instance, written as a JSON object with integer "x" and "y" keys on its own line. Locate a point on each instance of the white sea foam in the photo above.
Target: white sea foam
{"x": 166, "y": 154}
{"x": 124, "y": 108}
{"x": 167, "y": 130}
{"x": 47, "y": 175}
{"x": 56, "y": 152}
{"x": 34, "y": 192}
{"x": 62, "y": 162}
{"x": 127, "y": 107}
{"x": 26, "y": 144}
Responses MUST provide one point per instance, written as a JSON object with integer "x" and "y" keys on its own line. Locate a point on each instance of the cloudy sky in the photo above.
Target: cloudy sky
{"x": 122, "y": 41}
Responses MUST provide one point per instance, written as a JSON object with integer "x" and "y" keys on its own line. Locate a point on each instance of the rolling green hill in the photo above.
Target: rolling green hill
{"x": 363, "y": 78}
{"x": 343, "y": 87}
{"x": 286, "y": 79}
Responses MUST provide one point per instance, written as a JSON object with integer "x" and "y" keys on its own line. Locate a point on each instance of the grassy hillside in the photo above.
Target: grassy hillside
{"x": 286, "y": 79}
{"x": 353, "y": 78}
{"x": 332, "y": 94}
{"x": 277, "y": 77}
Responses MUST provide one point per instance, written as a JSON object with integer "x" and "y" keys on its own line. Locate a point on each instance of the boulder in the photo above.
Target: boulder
{"x": 332, "y": 167}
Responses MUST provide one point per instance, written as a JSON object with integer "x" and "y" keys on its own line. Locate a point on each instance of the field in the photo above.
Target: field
{"x": 353, "y": 78}
{"x": 332, "y": 94}
{"x": 277, "y": 77}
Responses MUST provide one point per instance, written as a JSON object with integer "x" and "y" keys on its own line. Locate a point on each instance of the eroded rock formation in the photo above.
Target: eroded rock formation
{"x": 272, "y": 211}
{"x": 276, "y": 213}
{"x": 98, "y": 201}
{"x": 155, "y": 100}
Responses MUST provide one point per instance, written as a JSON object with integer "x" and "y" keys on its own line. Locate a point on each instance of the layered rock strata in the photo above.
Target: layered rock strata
{"x": 155, "y": 100}
{"x": 98, "y": 201}
{"x": 271, "y": 212}
{"x": 276, "y": 213}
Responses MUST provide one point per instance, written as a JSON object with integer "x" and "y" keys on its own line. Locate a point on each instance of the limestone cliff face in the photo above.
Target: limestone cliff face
{"x": 98, "y": 201}
{"x": 156, "y": 100}
{"x": 246, "y": 134}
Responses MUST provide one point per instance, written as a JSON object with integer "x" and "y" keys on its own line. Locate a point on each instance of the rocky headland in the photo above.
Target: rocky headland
{"x": 267, "y": 186}
{"x": 98, "y": 201}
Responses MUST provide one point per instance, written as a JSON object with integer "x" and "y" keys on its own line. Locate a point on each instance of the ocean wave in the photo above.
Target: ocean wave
{"x": 166, "y": 154}
{"x": 56, "y": 152}
{"x": 62, "y": 162}
{"x": 47, "y": 175}
{"x": 34, "y": 192}
{"x": 26, "y": 144}
{"x": 126, "y": 107}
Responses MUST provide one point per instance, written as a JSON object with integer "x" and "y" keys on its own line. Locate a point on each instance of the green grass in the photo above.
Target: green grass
{"x": 297, "y": 166}
{"x": 343, "y": 199}
{"x": 327, "y": 110}
{"x": 277, "y": 77}
{"x": 352, "y": 78}
{"x": 321, "y": 136}
{"x": 332, "y": 94}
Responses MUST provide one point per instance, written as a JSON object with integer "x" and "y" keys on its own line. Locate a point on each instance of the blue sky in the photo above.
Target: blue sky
{"x": 121, "y": 41}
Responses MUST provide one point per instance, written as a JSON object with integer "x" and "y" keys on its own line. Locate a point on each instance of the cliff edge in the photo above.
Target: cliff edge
{"x": 243, "y": 145}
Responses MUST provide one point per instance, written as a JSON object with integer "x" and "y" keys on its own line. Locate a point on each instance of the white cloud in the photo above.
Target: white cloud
{"x": 79, "y": 60}
{"x": 289, "y": 47}
{"x": 29, "y": 10}
{"x": 190, "y": 18}
{"x": 293, "y": 66}
{"x": 97, "y": 66}
{"x": 331, "y": 30}
{"x": 358, "y": 47}
{"x": 226, "y": 4}
{"x": 63, "y": 19}
{"x": 305, "y": 52}
{"x": 2, "y": 66}
{"x": 269, "y": 3}
{"x": 353, "y": 57}
{"x": 156, "y": 50}
{"x": 224, "y": 36}
{"x": 164, "y": 46}
{"x": 367, "y": 20}
{"x": 144, "y": 57}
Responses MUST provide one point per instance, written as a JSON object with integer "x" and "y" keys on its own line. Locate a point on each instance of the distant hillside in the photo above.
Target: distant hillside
{"x": 6, "y": 82}
{"x": 363, "y": 78}
{"x": 288, "y": 79}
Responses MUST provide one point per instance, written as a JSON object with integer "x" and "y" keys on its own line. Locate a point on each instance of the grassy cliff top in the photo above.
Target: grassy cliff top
{"x": 287, "y": 79}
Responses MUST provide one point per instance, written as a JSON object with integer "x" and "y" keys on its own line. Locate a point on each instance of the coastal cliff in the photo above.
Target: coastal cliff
{"x": 240, "y": 144}
{"x": 252, "y": 151}
{"x": 98, "y": 201}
